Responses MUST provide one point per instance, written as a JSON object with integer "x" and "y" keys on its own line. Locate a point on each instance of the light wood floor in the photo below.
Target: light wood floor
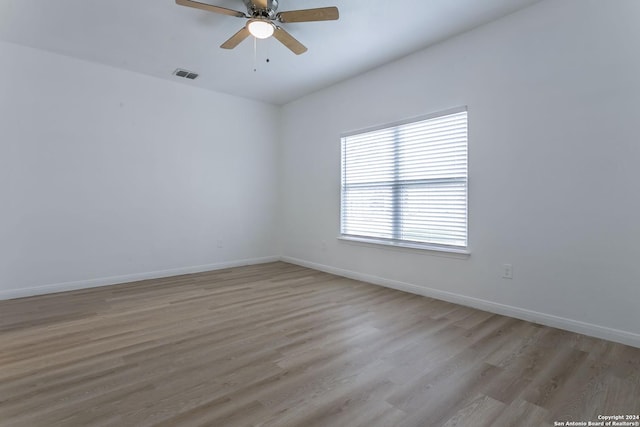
{"x": 281, "y": 345}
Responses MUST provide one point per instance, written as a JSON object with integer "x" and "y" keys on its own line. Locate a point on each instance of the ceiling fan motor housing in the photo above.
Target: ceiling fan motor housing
{"x": 255, "y": 9}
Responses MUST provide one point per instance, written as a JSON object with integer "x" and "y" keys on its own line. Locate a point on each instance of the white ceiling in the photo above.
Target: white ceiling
{"x": 155, "y": 37}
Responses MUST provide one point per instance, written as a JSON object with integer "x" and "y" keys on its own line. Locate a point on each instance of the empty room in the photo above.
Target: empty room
{"x": 319, "y": 213}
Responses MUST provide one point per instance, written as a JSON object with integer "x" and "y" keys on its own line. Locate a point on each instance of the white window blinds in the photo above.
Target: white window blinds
{"x": 407, "y": 183}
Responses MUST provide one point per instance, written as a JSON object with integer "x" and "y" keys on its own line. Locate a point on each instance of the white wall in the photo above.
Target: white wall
{"x": 553, "y": 94}
{"x": 108, "y": 173}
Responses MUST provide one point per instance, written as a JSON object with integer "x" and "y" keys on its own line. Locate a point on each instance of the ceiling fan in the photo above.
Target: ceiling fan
{"x": 261, "y": 24}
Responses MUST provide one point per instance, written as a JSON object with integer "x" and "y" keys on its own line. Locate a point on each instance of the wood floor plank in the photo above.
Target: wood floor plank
{"x": 282, "y": 345}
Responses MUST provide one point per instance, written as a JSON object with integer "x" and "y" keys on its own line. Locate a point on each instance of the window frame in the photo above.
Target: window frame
{"x": 398, "y": 243}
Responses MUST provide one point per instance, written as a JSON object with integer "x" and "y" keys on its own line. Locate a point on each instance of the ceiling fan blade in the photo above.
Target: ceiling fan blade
{"x": 289, "y": 41}
{"x": 211, "y": 8}
{"x": 236, "y": 39}
{"x": 307, "y": 15}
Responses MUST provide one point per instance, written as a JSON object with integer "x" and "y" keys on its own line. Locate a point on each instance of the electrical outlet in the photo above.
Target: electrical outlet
{"x": 507, "y": 271}
{"x": 323, "y": 245}
{"x": 219, "y": 243}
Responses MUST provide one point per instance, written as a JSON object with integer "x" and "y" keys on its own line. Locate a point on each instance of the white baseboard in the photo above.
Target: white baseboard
{"x": 114, "y": 280}
{"x": 616, "y": 335}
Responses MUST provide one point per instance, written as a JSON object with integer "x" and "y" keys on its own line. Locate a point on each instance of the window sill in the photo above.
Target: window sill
{"x": 410, "y": 246}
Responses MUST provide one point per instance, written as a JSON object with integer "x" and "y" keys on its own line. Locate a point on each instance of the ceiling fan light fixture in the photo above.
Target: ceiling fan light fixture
{"x": 260, "y": 28}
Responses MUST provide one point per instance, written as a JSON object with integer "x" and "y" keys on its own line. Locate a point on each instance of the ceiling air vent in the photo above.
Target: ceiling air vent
{"x": 185, "y": 73}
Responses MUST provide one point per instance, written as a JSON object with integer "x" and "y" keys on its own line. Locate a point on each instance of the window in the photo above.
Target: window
{"x": 406, "y": 184}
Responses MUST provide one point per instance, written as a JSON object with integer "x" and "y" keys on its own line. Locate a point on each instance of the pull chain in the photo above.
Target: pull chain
{"x": 255, "y": 54}
{"x": 267, "y": 51}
